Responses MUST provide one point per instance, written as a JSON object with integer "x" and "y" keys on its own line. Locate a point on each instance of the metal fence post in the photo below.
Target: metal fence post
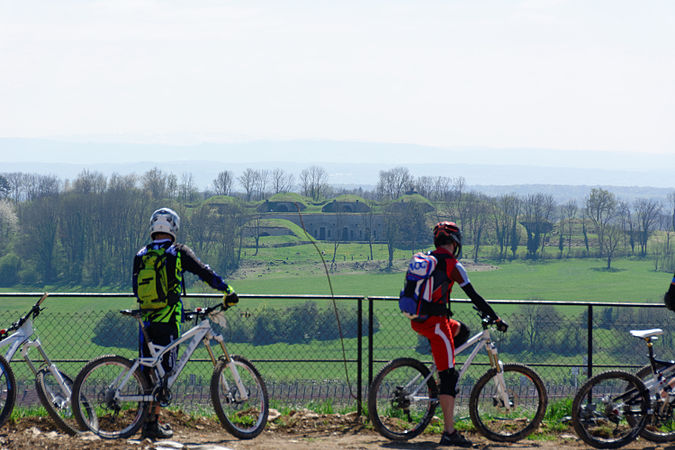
{"x": 371, "y": 314}
{"x": 589, "y": 367}
{"x": 359, "y": 358}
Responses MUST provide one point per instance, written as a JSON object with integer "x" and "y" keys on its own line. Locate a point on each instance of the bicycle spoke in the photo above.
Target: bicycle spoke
{"x": 242, "y": 413}
{"x": 102, "y": 404}
{"x": 398, "y": 408}
{"x": 510, "y": 414}
{"x": 610, "y": 409}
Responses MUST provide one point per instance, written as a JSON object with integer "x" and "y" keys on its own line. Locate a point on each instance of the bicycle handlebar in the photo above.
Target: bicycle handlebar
{"x": 33, "y": 313}
{"x": 188, "y": 314}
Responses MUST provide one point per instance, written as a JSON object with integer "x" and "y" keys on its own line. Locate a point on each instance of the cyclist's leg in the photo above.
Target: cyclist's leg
{"x": 159, "y": 333}
{"x": 440, "y": 334}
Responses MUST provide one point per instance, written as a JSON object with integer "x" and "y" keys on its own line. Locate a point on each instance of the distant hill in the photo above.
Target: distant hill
{"x": 564, "y": 175}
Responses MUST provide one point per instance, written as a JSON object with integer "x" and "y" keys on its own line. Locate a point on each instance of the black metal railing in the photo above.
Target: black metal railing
{"x": 294, "y": 340}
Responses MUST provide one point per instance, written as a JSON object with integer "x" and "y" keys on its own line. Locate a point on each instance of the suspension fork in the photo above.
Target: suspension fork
{"x": 243, "y": 393}
{"x": 502, "y": 393}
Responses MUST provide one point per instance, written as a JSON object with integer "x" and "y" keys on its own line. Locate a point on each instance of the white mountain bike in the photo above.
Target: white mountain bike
{"x": 121, "y": 393}
{"x": 53, "y": 386}
{"x": 506, "y": 404}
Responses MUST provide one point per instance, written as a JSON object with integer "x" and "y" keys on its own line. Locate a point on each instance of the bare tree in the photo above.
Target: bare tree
{"x": 159, "y": 184}
{"x": 248, "y": 181}
{"x": 601, "y": 207}
{"x": 505, "y": 217}
{"x": 538, "y": 211}
{"x": 281, "y": 181}
{"x": 16, "y": 186}
{"x": 441, "y": 189}
{"x": 39, "y": 186}
{"x": 119, "y": 182}
{"x": 4, "y": 187}
{"x": 187, "y": 189}
{"x": 261, "y": 181}
{"x": 612, "y": 236}
{"x": 647, "y": 214}
{"x": 568, "y": 214}
{"x": 394, "y": 183}
{"x": 88, "y": 182}
{"x": 314, "y": 182}
{"x": 222, "y": 185}
{"x": 424, "y": 186}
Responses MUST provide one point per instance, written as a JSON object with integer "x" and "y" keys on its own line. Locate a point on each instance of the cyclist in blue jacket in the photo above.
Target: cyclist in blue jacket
{"x": 162, "y": 325}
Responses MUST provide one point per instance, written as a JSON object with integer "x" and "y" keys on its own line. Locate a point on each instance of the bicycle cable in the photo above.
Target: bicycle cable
{"x": 332, "y": 295}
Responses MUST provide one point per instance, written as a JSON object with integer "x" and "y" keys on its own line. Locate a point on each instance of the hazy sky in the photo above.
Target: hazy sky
{"x": 558, "y": 74}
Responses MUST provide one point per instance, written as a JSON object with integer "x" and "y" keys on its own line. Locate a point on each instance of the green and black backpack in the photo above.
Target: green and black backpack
{"x": 159, "y": 281}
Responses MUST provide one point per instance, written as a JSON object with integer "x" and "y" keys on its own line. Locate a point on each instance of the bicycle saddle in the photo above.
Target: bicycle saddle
{"x": 644, "y": 334}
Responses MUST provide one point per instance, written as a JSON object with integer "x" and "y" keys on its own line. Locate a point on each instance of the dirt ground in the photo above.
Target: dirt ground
{"x": 299, "y": 430}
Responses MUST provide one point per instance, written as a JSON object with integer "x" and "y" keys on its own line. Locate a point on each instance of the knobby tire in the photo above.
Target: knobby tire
{"x": 391, "y": 410}
{"x": 602, "y": 405}
{"x": 527, "y": 397}
{"x": 96, "y": 409}
{"x": 7, "y": 390}
{"x": 244, "y": 419}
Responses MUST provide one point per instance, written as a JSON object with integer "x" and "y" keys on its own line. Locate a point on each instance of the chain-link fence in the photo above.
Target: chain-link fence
{"x": 295, "y": 343}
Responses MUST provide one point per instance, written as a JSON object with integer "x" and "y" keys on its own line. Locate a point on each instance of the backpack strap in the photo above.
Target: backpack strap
{"x": 173, "y": 253}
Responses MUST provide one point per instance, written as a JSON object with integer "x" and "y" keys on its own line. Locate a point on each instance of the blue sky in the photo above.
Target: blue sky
{"x": 572, "y": 75}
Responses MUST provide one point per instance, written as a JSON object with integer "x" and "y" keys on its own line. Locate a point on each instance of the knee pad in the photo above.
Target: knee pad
{"x": 462, "y": 335}
{"x": 448, "y": 381}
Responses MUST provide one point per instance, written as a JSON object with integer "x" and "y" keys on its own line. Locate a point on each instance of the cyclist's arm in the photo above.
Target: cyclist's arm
{"x": 669, "y": 297}
{"x": 192, "y": 264}
{"x": 134, "y": 274}
{"x": 460, "y": 276}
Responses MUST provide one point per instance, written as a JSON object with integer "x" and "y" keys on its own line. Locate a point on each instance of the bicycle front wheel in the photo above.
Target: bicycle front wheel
{"x": 103, "y": 405}
{"x": 660, "y": 426}
{"x": 602, "y": 407}
{"x": 509, "y": 405}
{"x": 241, "y": 412}
{"x": 400, "y": 403}
{"x": 7, "y": 390}
{"x": 56, "y": 399}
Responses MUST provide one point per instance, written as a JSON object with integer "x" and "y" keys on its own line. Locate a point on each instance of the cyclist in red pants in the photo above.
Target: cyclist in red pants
{"x": 434, "y": 323}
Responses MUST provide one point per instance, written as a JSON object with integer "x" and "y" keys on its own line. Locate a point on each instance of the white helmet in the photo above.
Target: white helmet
{"x": 164, "y": 220}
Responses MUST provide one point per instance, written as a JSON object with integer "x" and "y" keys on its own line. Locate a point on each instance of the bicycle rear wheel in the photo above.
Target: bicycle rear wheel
{"x": 56, "y": 399}
{"x": 102, "y": 406}
{"x": 526, "y": 396}
{"x": 603, "y": 405}
{"x": 660, "y": 426}
{"x": 244, "y": 419}
{"x": 400, "y": 403}
{"x": 7, "y": 390}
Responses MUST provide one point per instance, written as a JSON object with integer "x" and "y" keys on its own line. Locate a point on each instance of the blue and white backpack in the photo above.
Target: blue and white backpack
{"x": 418, "y": 286}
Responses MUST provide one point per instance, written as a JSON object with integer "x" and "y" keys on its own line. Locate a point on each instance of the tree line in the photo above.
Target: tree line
{"x": 83, "y": 232}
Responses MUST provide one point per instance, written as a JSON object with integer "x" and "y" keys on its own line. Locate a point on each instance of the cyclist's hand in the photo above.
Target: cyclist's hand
{"x": 230, "y": 297}
{"x": 501, "y": 325}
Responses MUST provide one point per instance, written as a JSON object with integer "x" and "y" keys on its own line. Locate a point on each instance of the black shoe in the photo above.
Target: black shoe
{"x": 455, "y": 439}
{"x": 153, "y": 430}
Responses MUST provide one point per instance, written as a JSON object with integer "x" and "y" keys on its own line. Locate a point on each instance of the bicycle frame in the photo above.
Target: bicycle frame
{"x": 202, "y": 332}
{"x": 479, "y": 340}
{"x": 660, "y": 377}
{"x": 20, "y": 340}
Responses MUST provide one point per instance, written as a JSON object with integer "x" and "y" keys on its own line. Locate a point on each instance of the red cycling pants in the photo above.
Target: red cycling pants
{"x": 440, "y": 332}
